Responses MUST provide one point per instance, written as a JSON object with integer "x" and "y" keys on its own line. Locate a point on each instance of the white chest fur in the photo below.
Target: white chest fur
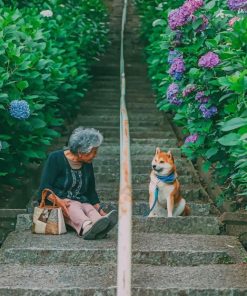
{"x": 165, "y": 190}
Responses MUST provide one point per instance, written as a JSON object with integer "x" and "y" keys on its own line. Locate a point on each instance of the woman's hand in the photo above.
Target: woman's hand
{"x": 101, "y": 212}
{"x": 64, "y": 204}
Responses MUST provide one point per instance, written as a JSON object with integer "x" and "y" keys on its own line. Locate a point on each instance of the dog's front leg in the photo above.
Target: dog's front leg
{"x": 151, "y": 201}
{"x": 170, "y": 205}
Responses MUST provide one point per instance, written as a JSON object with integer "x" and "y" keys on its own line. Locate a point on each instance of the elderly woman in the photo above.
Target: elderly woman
{"x": 69, "y": 174}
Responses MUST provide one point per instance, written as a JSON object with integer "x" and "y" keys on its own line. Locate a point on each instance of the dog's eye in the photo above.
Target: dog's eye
{"x": 161, "y": 161}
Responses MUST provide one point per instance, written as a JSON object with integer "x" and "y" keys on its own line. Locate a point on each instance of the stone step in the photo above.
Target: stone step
{"x": 154, "y": 249}
{"x": 138, "y": 108}
{"x": 131, "y": 112}
{"x": 168, "y": 138}
{"x": 142, "y": 208}
{"x": 207, "y": 225}
{"x": 133, "y": 118}
{"x": 180, "y": 225}
{"x": 116, "y": 141}
{"x": 115, "y": 121}
{"x": 184, "y": 167}
{"x": 135, "y": 149}
{"x": 113, "y": 98}
{"x": 135, "y": 78}
{"x": 113, "y": 179}
{"x": 140, "y": 192}
{"x": 147, "y": 280}
{"x": 141, "y": 129}
{"x": 115, "y": 93}
{"x": 113, "y": 69}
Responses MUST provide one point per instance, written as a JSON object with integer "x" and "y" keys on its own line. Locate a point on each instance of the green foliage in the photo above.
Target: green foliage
{"x": 44, "y": 61}
{"x": 222, "y": 139}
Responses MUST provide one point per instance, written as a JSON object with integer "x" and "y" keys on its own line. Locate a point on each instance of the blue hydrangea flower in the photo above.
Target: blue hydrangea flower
{"x": 175, "y": 101}
{"x": 178, "y": 76}
{"x": 19, "y": 109}
{"x": 208, "y": 112}
{"x": 172, "y": 91}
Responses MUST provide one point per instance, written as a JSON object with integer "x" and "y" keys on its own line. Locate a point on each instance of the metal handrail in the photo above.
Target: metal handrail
{"x": 125, "y": 192}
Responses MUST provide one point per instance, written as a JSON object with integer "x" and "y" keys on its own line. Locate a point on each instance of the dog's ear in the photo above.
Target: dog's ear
{"x": 169, "y": 153}
{"x": 157, "y": 151}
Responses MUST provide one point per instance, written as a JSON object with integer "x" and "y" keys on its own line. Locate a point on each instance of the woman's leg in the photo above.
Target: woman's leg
{"x": 91, "y": 212}
{"x": 77, "y": 216}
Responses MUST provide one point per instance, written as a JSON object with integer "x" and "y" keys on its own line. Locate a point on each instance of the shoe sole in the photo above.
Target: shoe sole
{"x": 96, "y": 228}
{"x": 113, "y": 218}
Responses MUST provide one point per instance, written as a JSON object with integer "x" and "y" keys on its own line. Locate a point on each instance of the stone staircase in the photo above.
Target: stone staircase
{"x": 171, "y": 256}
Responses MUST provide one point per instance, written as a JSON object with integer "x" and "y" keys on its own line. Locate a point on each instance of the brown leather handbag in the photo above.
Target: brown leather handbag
{"x": 48, "y": 219}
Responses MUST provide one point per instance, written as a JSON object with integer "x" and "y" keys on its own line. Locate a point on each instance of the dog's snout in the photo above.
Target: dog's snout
{"x": 154, "y": 166}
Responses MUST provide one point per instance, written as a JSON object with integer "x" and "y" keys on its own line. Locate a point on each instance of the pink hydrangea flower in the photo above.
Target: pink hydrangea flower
{"x": 188, "y": 90}
{"x": 233, "y": 20}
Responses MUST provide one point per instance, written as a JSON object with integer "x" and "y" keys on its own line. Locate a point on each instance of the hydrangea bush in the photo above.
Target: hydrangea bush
{"x": 47, "y": 48}
{"x": 209, "y": 99}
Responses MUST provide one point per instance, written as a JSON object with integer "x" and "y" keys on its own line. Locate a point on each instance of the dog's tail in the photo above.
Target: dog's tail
{"x": 186, "y": 211}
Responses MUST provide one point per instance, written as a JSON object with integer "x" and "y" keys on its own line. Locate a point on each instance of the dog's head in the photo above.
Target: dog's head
{"x": 163, "y": 163}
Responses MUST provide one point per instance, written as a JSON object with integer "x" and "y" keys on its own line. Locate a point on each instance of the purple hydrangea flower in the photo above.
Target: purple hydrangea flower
{"x": 188, "y": 90}
{"x": 208, "y": 112}
{"x": 175, "y": 101}
{"x": 172, "y": 91}
{"x": 173, "y": 54}
{"x": 179, "y": 17}
{"x": 191, "y": 139}
{"x": 19, "y": 109}
{"x": 182, "y": 15}
{"x": 193, "y": 5}
{"x": 201, "y": 97}
{"x": 177, "y": 68}
{"x": 237, "y": 4}
{"x": 209, "y": 60}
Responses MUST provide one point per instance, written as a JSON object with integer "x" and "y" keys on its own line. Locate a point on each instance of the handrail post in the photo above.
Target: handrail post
{"x": 125, "y": 192}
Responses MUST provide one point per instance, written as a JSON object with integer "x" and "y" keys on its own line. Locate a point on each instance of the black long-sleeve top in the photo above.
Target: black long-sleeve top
{"x": 65, "y": 182}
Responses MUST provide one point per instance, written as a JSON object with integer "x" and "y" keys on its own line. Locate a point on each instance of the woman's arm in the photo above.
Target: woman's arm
{"x": 91, "y": 193}
{"x": 64, "y": 204}
{"x": 49, "y": 173}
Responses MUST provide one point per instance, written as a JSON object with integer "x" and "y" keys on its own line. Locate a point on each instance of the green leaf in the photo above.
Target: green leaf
{"x": 37, "y": 123}
{"x": 2, "y": 174}
{"x": 233, "y": 124}
{"x": 22, "y": 85}
{"x": 206, "y": 166}
{"x": 212, "y": 151}
{"x": 159, "y": 22}
{"x": 231, "y": 139}
{"x": 210, "y": 5}
{"x": 31, "y": 154}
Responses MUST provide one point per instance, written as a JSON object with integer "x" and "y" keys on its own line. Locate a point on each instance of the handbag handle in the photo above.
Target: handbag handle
{"x": 44, "y": 194}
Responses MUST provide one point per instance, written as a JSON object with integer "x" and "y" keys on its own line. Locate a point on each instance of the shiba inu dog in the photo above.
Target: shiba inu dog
{"x": 164, "y": 190}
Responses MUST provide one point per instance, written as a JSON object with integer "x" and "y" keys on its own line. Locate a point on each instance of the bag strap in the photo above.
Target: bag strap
{"x": 44, "y": 195}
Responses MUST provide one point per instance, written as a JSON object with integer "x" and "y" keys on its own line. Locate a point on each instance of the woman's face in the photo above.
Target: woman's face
{"x": 88, "y": 157}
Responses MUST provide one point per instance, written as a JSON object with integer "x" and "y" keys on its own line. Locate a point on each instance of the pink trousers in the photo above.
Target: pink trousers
{"x": 79, "y": 213}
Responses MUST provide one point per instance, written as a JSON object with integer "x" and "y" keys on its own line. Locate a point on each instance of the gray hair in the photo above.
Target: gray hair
{"x": 84, "y": 140}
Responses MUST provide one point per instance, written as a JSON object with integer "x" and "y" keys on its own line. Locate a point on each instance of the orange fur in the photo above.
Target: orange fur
{"x": 163, "y": 157}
